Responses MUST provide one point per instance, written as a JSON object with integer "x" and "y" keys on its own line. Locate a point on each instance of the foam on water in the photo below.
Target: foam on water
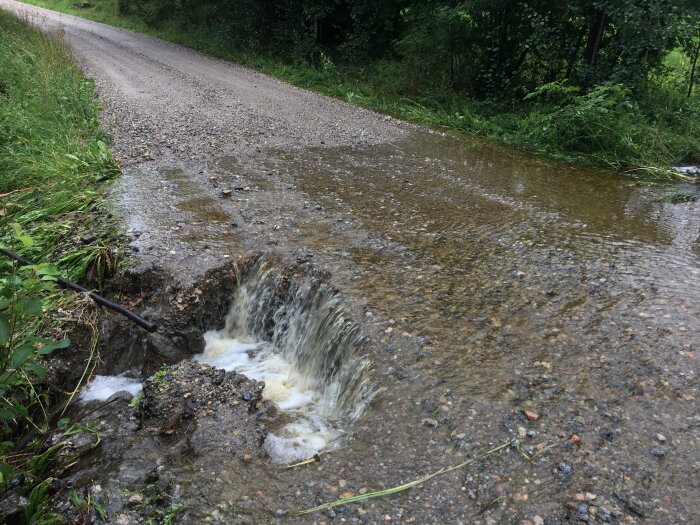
{"x": 102, "y": 388}
{"x": 291, "y": 392}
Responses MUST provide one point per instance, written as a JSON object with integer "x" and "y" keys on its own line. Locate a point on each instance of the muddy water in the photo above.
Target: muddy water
{"x": 489, "y": 282}
{"x": 496, "y": 282}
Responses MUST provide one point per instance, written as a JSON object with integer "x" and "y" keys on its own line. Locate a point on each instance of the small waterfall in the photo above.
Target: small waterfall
{"x": 288, "y": 328}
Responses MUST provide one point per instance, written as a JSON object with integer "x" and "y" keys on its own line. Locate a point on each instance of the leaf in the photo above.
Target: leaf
{"x": 5, "y": 472}
{"x": 4, "y": 330}
{"x": 17, "y": 232}
{"x": 34, "y": 368}
{"x": 32, "y": 306}
{"x": 50, "y": 346}
{"x": 21, "y": 410}
{"x": 47, "y": 269}
{"x": 20, "y": 355}
{"x": 6, "y": 414}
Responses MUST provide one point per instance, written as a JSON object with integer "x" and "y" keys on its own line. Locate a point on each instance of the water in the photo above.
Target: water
{"x": 488, "y": 282}
{"x": 102, "y": 388}
{"x": 291, "y": 333}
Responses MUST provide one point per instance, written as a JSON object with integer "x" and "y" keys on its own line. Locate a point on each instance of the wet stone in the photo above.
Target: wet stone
{"x": 565, "y": 469}
{"x": 219, "y": 410}
{"x": 659, "y": 452}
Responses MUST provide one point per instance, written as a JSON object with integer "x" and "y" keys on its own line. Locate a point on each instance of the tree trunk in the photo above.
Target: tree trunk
{"x": 595, "y": 37}
{"x": 692, "y": 70}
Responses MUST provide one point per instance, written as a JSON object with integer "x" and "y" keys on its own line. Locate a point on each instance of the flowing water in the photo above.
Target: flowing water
{"x": 492, "y": 282}
{"x": 292, "y": 334}
{"x": 476, "y": 283}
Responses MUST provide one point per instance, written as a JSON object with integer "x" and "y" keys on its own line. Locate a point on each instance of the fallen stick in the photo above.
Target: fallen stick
{"x": 143, "y": 323}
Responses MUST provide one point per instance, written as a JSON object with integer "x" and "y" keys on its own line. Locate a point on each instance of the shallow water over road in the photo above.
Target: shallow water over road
{"x": 496, "y": 282}
{"x": 491, "y": 282}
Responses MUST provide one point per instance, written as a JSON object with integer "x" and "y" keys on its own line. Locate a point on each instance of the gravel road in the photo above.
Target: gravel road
{"x": 506, "y": 296}
{"x": 171, "y": 109}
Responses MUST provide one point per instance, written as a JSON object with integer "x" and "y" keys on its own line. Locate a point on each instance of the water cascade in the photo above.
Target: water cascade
{"x": 290, "y": 331}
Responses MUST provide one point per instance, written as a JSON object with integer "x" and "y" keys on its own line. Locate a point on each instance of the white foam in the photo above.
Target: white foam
{"x": 297, "y": 395}
{"x": 102, "y": 388}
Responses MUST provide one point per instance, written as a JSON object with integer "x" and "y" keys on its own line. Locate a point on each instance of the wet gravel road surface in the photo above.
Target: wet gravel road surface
{"x": 507, "y": 297}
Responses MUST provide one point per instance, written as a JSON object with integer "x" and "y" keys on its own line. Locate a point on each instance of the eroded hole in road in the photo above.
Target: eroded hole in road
{"x": 281, "y": 325}
{"x": 292, "y": 333}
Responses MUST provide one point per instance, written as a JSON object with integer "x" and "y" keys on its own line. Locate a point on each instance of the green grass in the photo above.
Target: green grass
{"x": 51, "y": 147}
{"x": 50, "y": 141}
{"x": 646, "y": 138}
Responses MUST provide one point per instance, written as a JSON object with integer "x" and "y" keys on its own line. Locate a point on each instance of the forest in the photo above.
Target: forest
{"x": 608, "y": 82}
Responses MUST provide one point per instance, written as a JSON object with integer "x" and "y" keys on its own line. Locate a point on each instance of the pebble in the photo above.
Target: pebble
{"x": 428, "y": 422}
{"x": 661, "y": 437}
{"x": 565, "y": 469}
{"x": 538, "y": 520}
{"x": 532, "y": 416}
{"x": 136, "y": 499}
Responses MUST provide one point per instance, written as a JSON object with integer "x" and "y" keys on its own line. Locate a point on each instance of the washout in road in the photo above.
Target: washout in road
{"x": 487, "y": 295}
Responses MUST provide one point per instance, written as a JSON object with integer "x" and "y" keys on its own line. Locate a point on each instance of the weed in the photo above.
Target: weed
{"x": 678, "y": 197}
{"x": 53, "y": 167}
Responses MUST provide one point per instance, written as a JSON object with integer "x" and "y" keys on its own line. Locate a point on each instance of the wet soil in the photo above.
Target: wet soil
{"x": 506, "y": 297}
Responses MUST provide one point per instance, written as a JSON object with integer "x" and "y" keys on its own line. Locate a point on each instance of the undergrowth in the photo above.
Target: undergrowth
{"x": 54, "y": 165}
{"x": 605, "y": 127}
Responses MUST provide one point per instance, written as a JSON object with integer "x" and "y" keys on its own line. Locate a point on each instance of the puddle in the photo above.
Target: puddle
{"x": 204, "y": 209}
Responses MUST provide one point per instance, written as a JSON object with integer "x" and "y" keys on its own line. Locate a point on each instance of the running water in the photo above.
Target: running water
{"x": 291, "y": 333}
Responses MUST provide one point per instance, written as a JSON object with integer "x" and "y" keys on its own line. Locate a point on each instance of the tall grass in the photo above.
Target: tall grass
{"x": 50, "y": 139}
{"x": 52, "y": 149}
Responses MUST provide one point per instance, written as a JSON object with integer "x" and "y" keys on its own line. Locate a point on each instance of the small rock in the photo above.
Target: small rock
{"x": 565, "y": 469}
{"x": 658, "y": 452}
{"x": 575, "y": 438}
{"x": 428, "y": 422}
{"x": 342, "y": 483}
{"x": 522, "y": 432}
{"x": 87, "y": 239}
{"x": 661, "y": 437}
{"x": 538, "y": 520}
{"x": 590, "y": 496}
{"x": 226, "y": 193}
{"x": 136, "y": 499}
{"x": 532, "y": 416}
{"x": 519, "y": 497}
{"x": 123, "y": 519}
{"x": 281, "y": 512}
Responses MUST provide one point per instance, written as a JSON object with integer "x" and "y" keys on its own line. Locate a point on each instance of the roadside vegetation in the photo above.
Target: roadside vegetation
{"x": 570, "y": 79}
{"x": 54, "y": 166}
